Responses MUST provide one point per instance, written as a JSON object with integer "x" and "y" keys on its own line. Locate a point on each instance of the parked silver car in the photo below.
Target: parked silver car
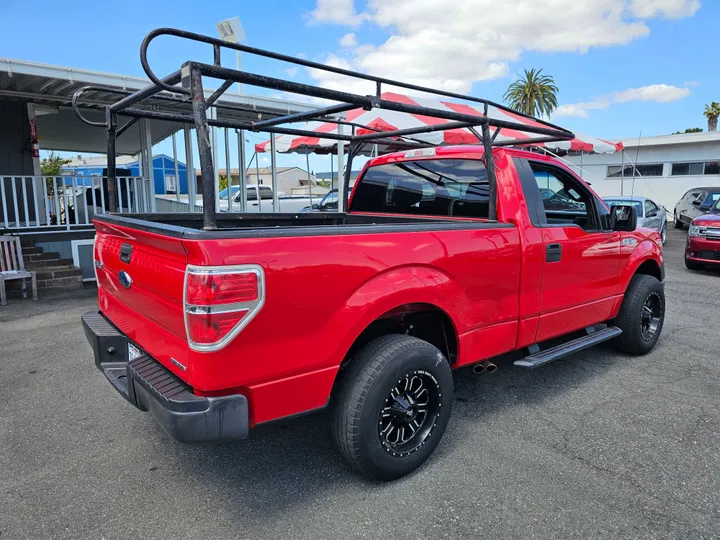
{"x": 694, "y": 203}
{"x": 649, "y": 213}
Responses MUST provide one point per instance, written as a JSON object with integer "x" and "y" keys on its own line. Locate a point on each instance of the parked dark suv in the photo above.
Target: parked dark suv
{"x": 694, "y": 203}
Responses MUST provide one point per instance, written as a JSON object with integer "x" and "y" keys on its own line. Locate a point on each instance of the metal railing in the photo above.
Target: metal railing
{"x": 67, "y": 202}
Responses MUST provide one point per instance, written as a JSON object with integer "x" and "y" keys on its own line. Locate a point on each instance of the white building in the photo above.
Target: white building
{"x": 667, "y": 167}
{"x": 290, "y": 180}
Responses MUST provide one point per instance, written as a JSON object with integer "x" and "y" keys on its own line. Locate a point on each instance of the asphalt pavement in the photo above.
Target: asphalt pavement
{"x": 599, "y": 445}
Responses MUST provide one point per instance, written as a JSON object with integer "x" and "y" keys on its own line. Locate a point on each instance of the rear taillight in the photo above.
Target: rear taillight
{"x": 219, "y": 302}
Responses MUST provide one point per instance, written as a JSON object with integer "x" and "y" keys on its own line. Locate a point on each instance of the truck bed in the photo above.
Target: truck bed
{"x": 326, "y": 277}
{"x": 239, "y": 225}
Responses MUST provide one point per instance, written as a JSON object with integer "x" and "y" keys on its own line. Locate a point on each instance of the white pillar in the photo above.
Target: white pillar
{"x": 39, "y": 190}
{"x": 228, "y": 168}
{"x": 341, "y": 178}
{"x": 214, "y": 144}
{"x": 147, "y": 160}
{"x": 273, "y": 175}
{"x": 241, "y": 168}
{"x": 190, "y": 167}
{"x": 177, "y": 171}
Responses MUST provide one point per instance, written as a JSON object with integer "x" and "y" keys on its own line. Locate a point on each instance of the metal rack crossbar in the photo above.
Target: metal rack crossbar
{"x": 186, "y": 85}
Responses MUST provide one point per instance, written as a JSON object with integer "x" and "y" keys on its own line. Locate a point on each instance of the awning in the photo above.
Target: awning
{"x": 385, "y": 120}
{"x": 52, "y": 87}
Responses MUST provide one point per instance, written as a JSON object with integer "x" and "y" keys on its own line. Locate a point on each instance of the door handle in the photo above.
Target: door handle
{"x": 553, "y": 252}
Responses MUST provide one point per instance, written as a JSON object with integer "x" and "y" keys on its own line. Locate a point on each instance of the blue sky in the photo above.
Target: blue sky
{"x": 622, "y": 66}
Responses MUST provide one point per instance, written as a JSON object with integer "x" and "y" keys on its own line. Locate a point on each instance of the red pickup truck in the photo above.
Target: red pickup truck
{"x": 368, "y": 312}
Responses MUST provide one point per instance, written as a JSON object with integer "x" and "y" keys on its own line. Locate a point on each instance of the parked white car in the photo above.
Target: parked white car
{"x": 260, "y": 199}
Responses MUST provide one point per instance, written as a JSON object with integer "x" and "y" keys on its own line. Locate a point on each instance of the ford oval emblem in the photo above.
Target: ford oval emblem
{"x": 125, "y": 279}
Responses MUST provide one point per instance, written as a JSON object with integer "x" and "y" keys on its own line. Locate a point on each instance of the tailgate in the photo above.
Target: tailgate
{"x": 140, "y": 288}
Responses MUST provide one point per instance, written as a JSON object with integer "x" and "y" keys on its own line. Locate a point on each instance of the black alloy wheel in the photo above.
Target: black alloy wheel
{"x": 391, "y": 405}
{"x": 410, "y": 413}
{"x": 641, "y": 316}
{"x": 651, "y": 317}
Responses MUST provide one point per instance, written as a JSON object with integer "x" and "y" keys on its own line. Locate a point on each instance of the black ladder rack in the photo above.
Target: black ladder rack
{"x": 187, "y": 82}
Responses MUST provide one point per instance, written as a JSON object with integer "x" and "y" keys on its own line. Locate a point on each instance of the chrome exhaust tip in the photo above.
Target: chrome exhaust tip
{"x": 489, "y": 367}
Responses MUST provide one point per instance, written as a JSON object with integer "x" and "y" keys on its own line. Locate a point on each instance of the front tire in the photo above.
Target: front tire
{"x": 641, "y": 316}
{"x": 663, "y": 234}
{"x": 392, "y": 406}
{"x": 678, "y": 224}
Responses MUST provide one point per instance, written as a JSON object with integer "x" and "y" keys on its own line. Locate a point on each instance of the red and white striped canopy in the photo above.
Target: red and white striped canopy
{"x": 385, "y": 120}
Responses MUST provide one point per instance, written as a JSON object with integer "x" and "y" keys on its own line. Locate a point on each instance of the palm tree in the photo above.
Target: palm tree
{"x": 712, "y": 112}
{"x": 534, "y": 94}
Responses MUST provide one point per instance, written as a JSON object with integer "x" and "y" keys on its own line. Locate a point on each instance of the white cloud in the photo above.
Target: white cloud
{"x": 348, "y": 40}
{"x": 291, "y": 71}
{"x": 659, "y": 93}
{"x": 581, "y": 109}
{"x": 336, "y": 11}
{"x": 672, "y": 9}
{"x": 451, "y": 45}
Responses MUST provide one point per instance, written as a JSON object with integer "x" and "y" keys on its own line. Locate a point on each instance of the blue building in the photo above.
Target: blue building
{"x": 163, "y": 171}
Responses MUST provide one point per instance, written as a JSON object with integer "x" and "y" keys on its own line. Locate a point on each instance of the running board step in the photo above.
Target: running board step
{"x": 543, "y": 357}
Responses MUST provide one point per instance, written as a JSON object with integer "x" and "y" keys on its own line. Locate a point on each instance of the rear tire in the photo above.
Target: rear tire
{"x": 692, "y": 265}
{"x": 641, "y": 316}
{"x": 678, "y": 223}
{"x": 391, "y": 406}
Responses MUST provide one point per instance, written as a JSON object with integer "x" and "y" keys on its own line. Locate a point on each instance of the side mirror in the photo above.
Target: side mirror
{"x": 623, "y": 218}
{"x": 697, "y": 203}
{"x": 316, "y": 206}
{"x": 652, "y": 213}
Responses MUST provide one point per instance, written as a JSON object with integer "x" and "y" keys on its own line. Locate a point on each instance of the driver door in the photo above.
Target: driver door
{"x": 579, "y": 281}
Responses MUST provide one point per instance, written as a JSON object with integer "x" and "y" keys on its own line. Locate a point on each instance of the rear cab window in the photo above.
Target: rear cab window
{"x": 431, "y": 187}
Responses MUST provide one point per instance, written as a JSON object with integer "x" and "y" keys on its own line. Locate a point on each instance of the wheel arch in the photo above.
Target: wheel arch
{"x": 646, "y": 259}
{"x": 397, "y": 293}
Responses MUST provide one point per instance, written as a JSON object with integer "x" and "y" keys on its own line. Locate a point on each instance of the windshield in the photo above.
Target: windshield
{"x": 713, "y": 199}
{"x": 330, "y": 200}
{"x": 224, "y": 193}
{"x": 716, "y": 207}
{"x": 637, "y": 204}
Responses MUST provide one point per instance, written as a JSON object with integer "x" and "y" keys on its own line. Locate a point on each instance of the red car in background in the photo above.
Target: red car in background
{"x": 703, "y": 241}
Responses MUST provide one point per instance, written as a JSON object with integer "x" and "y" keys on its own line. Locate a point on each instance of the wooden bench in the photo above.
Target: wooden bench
{"x": 12, "y": 266}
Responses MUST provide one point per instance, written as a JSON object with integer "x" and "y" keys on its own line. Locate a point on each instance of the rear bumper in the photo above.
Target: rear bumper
{"x": 149, "y": 386}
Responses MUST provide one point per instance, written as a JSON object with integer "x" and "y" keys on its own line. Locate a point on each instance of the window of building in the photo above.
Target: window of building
{"x": 712, "y": 167}
{"x": 642, "y": 169}
{"x": 685, "y": 169}
{"x": 438, "y": 187}
{"x": 170, "y": 184}
{"x": 697, "y": 168}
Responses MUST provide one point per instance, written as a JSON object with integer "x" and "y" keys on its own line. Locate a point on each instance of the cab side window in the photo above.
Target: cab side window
{"x": 650, "y": 208}
{"x": 565, "y": 200}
